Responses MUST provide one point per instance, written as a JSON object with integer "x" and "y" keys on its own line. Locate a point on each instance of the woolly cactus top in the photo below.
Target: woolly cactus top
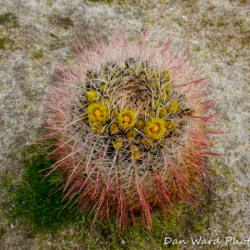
{"x": 131, "y": 128}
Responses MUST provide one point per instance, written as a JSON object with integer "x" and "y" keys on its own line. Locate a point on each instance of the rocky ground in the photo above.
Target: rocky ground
{"x": 218, "y": 35}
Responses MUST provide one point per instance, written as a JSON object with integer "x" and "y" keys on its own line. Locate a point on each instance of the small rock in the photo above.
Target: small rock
{"x": 196, "y": 42}
{"x": 11, "y": 225}
{"x": 123, "y": 242}
{"x": 184, "y": 18}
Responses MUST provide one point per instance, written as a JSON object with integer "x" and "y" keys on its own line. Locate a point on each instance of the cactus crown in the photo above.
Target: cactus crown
{"x": 131, "y": 129}
{"x": 133, "y": 103}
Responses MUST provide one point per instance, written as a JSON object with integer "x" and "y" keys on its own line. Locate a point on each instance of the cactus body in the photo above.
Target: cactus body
{"x": 132, "y": 129}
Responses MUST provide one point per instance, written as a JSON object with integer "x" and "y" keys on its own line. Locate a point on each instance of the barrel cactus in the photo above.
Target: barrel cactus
{"x": 131, "y": 128}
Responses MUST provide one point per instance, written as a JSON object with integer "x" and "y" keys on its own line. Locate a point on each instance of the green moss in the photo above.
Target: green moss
{"x": 2, "y": 232}
{"x": 207, "y": 22}
{"x": 49, "y": 3}
{"x": 37, "y": 54}
{"x": 221, "y": 22}
{"x": 7, "y": 17}
{"x": 5, "y": 41}
{"x": 33, "y": 202}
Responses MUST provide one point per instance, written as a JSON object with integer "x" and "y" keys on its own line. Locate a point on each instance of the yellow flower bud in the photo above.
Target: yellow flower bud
{"x": 104, "y": 87}
{"x": 170, "y": 125}
{"x": 136, "y": 152}
{"x": 97, "y": 127}
{"x": 155, "y": 83}
{"x": 191, "y": 113}
{"x": 164, "y": 97}
{"x": 92, "y": 96}
{"x": 131, "y": 135}
{"x": 117, "y": 144}
{"x": 166, "y": 76}
{"x": 167, "y": 88}
{"x": 163, "y": 113}
{"x": 113, "y": 129}
{"x": 117, "y": 73}
{"x": 157, "y": 103}
{"x": 90, "y": 74}
{"x": 105, "y": 100}
{"x": 82, "y": 119}
{"x": 104, "y": 78}
{"x": 173, "y": 107}
{"x": 153, "y": 74}
{"x": 151, "y": 113}
{"x": 139, "y": 124}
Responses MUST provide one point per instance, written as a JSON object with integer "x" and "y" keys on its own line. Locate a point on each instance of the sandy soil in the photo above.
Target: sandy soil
{"x": 218, "y": 35}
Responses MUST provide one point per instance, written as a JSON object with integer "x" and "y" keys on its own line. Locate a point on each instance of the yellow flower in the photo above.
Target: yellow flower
{"x": 139, "y": 124}
{"x": 131, "y": 135}
{"x": 92, "y": 96}
{"x": 97, "y": 127}
{"x": 126, "y": 119}
{"x": 173, "y": 107}
{"x": 98, "y": 113}
{"x": 155, "y": 128}
{"x": 143, "y": 76}
{"x": 147, "y": 142}
{"x": 170, "y": 125}
{"x": 117, "y": 144}
{"x": 163, "y": 113}
{"x": 113, "y": 129}
{"x": 136, "y": 153}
